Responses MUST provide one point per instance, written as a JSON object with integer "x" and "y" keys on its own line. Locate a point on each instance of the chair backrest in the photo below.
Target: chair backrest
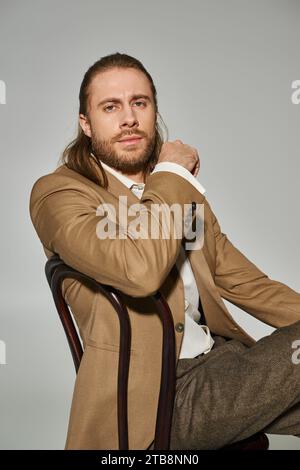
{"x": 56, "y": 271}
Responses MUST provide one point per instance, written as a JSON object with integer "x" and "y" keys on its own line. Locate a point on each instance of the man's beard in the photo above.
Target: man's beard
{"x": 126, "y": 161}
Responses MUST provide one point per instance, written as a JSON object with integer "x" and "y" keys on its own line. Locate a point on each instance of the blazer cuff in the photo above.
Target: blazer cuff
{"x": 181, "y": 171}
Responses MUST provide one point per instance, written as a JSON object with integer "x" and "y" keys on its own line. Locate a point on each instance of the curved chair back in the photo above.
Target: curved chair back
{"x": 56, "y": 271}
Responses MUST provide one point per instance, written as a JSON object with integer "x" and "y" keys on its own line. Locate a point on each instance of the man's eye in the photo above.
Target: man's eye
{"x": 112, "y": 106}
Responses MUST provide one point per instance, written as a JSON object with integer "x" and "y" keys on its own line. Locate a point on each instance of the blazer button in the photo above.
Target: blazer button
{"x": 179, "y": 327}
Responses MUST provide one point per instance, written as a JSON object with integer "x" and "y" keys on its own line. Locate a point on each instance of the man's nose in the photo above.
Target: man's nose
{"x": 128, "y": 116}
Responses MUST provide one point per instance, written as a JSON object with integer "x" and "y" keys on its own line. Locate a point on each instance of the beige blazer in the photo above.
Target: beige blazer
{"x": 63, "y": 211}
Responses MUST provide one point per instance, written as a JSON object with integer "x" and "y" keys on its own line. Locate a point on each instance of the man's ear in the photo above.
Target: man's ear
{"x": 85, "y": 125}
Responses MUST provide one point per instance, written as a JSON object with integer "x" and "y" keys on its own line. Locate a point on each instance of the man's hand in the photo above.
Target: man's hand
{"x": 183, "y": 154}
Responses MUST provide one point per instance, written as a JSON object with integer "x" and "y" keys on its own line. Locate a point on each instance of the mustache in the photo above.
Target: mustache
{"x": 139, "y": 134}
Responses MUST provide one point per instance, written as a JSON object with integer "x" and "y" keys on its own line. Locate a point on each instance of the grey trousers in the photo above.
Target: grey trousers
{"x": 234, "y": 391}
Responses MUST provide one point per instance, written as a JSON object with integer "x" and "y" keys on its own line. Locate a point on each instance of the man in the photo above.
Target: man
{"x": 228, "y": 387}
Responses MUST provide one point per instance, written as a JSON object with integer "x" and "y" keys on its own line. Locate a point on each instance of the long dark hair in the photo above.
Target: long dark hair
{"x": 77, "y": 154}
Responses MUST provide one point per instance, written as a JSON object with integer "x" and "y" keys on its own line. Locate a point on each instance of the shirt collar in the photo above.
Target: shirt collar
{"x": 124, "y": 179}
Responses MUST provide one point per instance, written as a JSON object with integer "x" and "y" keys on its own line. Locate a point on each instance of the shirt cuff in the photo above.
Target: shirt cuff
{"x": 179, "y": 170}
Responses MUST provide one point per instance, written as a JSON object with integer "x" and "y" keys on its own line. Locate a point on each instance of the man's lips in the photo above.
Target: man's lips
{"x": 129, "y": 141}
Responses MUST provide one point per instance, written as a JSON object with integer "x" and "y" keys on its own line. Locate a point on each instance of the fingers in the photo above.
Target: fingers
{"x": 196, "y": 168}
{"x": 197, "y": 164}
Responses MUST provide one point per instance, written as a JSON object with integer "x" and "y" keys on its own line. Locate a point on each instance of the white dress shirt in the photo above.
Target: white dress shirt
{"x": 196, "y": 338}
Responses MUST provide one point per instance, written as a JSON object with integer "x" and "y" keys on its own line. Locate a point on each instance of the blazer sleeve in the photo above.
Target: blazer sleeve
{"x": 241, "y": 282}
{"x": 64, "y": 212}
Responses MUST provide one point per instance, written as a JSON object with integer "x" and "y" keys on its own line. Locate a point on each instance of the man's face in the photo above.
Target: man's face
{"x": 110, "y": 121}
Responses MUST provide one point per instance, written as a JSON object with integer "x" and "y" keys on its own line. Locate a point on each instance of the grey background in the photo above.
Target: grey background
{"x": 223, "y": 72}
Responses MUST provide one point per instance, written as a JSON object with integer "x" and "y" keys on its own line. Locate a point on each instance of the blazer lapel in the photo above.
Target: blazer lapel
{"x": 117, "y": 188}
{"x": 206, "y": 285}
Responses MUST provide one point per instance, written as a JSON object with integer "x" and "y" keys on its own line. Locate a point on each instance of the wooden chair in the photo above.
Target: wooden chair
{"x": 56, "y": 271}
